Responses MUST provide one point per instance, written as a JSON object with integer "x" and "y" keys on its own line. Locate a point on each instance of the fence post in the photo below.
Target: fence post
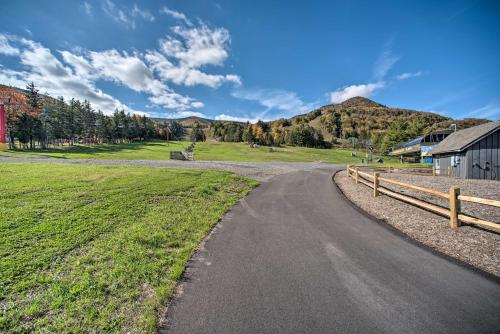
{"x": 357, "y": 175}
{"x": 348, "y": 171}
{"x": 375, "y": 184}
{"x": 433, "y": 170}
{"x": 454, "y": 207}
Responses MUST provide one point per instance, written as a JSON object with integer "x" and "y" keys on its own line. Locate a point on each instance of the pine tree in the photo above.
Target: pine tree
{"x": 396, "y": 134}
{"x": 31, "y": 124}
{"x": 248, "y": 135}
{"x": 33, "y": 96}
{"x": 197, "y": 133}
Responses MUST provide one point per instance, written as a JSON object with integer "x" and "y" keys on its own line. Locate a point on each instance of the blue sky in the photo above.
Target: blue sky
{"x": 250, "y": 60}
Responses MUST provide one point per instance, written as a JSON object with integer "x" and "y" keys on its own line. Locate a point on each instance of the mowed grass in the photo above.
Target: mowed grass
{"x": 210, "y": 150}
{"x": 99, "y": 249}
{"x": 151, "y": 150}
{"x": 218, "y": 151}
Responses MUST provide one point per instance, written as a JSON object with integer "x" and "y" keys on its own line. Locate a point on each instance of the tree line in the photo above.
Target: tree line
{"x": 268, "y": 133}
{"x": 38, "y": 121}
{"x": 341, "y": 126}
{"x": 297, "y": 132}
{"x": 380, "y": 129}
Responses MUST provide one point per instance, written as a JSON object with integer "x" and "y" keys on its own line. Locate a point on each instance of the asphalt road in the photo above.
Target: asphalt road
{"x": 295, "y": 257}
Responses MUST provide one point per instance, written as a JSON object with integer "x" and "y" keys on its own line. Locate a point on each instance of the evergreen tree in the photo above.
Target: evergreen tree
{"x": 31, "y": 123}
{"x": 33, "y": 96}
{"x": 337, "y": 122}
{"x": 416, "y": 127}
{"x": 395, "y": 135}
{"x": 177, "y": 131}
{"x": 248, "y": 135}
{"x": 197, "y": 133}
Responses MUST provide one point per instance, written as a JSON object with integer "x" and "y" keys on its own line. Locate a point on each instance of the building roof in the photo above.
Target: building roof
{"x": 419, "y": 140}
{"x": 460, "y": 140}
{"x": 411, "y": 142}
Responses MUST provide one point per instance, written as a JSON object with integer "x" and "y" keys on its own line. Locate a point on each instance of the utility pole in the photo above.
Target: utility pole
{"x": 167, "y": 130}
{"x": 3, "y": 123}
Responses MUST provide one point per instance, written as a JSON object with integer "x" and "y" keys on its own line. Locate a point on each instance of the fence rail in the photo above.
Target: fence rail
{"x": 454, "y": 197}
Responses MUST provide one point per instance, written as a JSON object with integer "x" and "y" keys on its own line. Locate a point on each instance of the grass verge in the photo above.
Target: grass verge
{"x": 99, "y": 249}
{"x": 210, "y": 150}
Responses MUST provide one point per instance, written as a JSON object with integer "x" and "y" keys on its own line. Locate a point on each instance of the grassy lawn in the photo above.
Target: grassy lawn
{"x": 99, "y": 249}
{"x": 158, "y": 150}
{"x": 242, "y": 152}
{"x": 152, "y": 150}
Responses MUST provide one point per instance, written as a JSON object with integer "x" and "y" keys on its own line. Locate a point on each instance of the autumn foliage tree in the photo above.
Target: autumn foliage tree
{"x": 35, "y": 120}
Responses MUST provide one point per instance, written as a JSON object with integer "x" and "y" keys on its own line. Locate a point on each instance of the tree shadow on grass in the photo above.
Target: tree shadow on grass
{"x": 97, "y": 149}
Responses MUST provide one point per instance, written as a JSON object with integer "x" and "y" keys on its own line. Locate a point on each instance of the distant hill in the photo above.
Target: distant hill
{"x": 359, "y": 102}
{"x": 187, "y": 121}
{"x": 360, "y": 116}
{"x": 9, "y": 91}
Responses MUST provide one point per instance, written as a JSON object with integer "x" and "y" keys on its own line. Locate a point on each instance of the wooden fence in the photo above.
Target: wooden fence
{"x": 453, "y": 196}
{"x": 414, "y": 170}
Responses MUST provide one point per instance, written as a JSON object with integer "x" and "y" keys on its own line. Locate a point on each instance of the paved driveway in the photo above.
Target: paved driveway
{"x": 295, "y": 257}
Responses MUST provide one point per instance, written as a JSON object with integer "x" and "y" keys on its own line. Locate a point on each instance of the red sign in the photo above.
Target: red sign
{"x": 3, "y": 125}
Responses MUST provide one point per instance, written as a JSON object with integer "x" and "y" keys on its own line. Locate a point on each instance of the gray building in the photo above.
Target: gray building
{"x": 417, "y": 149}
{"x": 471, "y": 153}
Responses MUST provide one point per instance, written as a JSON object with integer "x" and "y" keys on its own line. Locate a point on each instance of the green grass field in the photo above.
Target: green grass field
{"x": 242, "y": 152}
{"x": 153, "y": 150}
{"x": 99, "y": 249}
{"x": 210, "y": 150}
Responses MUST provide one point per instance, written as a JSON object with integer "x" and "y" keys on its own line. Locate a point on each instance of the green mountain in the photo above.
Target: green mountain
{"x": 362, "y": 117}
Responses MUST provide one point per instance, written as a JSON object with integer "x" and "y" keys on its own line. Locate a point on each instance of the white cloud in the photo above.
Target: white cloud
{"x": 384, "y": 63}
{"x": 233, "y": 78}
{"x": 242, "y": 119}
{"x": 143, "y": 13}
{"x": 364, "y": 90}
{"x": 127, "y": 70}
{"x": 6, "y": 48}
{"x": 197, "y": 104}
{"x": 53, "y": 77}
{"x": 11, "y": 77}
{"x": 172, "y": 100}
{"x": 175, "y": 14}
{"x": 179, "y": 114}
{"x": 275, "y": 99}
{"x": 76, "y": 77}
{"x": 489, "y": 111}
{"x": 114, "y": 12}
{"x": 408, "y": 75}
{"x": 125, "y": 16}
{"x": 440, "y": 112}
{"x": 180, "y": 60}
{"x": 130, "y": 71}
{"x": 87, "y": 8}
{"x": 183, "y": 75}
{"x": 188, "y": 113}
{"x": 201, "y": 45}
{"x": 80, "y": 65}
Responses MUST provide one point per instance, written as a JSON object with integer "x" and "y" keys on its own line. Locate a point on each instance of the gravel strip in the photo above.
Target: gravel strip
{"x": 478, "y": 247}
{"x": 260, "y": 171}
